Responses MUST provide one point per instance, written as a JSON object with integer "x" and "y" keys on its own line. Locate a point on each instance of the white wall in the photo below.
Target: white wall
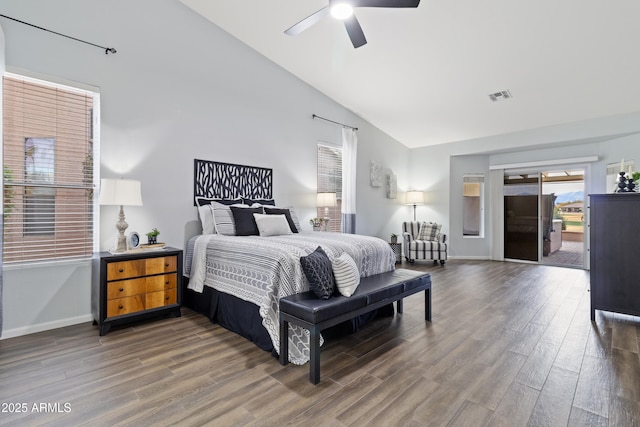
{"x": 178, "y": 88}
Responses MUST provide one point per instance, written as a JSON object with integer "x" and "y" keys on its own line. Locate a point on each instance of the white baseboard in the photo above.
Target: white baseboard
{"x": 476, "y": 258}
{"x": 32, "y": 329}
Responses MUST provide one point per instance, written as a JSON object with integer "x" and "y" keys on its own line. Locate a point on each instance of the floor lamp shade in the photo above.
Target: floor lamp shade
{"x": 415, "y": 198}
{"x": 120, "y": 192}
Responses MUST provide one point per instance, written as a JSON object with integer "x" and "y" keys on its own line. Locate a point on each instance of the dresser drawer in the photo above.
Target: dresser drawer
{"x": 161, "y": 265}
{"x": 161, "y": 282}
{"x": 160, "y": 298}
{"x": 126, "y": 288}
{"x": 125, "y": 269}
{"x": 120, "y": 306}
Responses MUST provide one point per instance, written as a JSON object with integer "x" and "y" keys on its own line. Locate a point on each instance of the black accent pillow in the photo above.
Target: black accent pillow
{"x": 286, "y": 213}
{"x": 319, "y": 272}
{"x": 201, "y": 201}
{"x": 244, "y": 220}
{"x": 250, "y": 202}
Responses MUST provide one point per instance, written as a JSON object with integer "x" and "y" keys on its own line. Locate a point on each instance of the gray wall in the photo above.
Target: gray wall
{"x": 178, "y": 88}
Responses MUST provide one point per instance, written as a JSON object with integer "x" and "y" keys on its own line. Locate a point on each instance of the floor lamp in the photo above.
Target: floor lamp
{"x": 415, "y": 198}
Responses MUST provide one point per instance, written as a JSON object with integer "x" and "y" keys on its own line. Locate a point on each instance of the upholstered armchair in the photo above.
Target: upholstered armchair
{"x": 424, "y": 241}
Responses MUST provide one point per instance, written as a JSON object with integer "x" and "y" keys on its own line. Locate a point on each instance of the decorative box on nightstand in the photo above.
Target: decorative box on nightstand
{"x": 135, "y": 286}
{"x": 397, "y": 249}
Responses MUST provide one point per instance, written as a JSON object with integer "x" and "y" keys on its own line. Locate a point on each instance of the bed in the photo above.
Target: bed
{"x": 237, "y": 280}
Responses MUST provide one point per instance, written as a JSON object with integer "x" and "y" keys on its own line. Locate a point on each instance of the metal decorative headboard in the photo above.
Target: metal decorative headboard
{"x": 229, "y": 181}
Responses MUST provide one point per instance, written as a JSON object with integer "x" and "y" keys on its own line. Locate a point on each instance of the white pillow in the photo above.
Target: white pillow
{"x": 346, "y": 274}
{"x": 272, "y": 225}
{"x": 206, "y": 219}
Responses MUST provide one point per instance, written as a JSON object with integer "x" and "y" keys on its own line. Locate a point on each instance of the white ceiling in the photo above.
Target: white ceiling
{"x": 425, "y": 75}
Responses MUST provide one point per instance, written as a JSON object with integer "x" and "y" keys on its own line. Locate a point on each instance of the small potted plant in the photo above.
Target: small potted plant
{"x": 316, "y": 223}
{"x": 394, "y": 238}
{"x": 153, "y": 236}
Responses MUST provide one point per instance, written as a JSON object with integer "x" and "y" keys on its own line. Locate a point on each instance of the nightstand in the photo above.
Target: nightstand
{"x": 135, "y": 286}
{"x": 397, "y": 249}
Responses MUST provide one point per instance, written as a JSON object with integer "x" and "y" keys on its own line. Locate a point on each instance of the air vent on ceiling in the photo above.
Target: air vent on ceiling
{"x": 497, "y": 96}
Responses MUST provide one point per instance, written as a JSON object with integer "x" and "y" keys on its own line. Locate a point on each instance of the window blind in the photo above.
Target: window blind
{"x": 330, "y": 180}
{"x": 48, "y": 171}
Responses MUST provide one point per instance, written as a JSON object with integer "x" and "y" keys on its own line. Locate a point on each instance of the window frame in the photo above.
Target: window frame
{"x": 323, "y": 184}
{"x": 86, "y": 178}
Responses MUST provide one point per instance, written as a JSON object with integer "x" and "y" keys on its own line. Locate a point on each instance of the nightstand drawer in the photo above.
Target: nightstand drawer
{"x": 162, "y": 282}
{"x": 120, "y": 306}
{"x": 126, "y": 288}
{"x": 160, "y": 298}
{"x": 125, "y": 269}
{"x": 161, "y": 265}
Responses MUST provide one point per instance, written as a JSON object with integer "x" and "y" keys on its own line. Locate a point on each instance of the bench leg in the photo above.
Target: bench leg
{"x": 284, "y": 342}
{"x": 314, "y": 362}
{"x": 399, "y": 305}
{"x": 427, "y": 304}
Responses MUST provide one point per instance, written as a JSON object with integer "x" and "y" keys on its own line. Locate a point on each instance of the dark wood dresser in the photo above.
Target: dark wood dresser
{"x": 615, "y": 253}
{"x": 134, "y": 286}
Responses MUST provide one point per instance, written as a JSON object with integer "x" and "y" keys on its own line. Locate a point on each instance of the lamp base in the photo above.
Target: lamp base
{"x": 121, "y": 225}
{"x": 326, "y": 223}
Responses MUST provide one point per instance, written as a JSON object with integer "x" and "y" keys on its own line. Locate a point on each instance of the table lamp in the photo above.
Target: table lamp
{"x": 120, "y": 192}
{"x": 326, "y": 200}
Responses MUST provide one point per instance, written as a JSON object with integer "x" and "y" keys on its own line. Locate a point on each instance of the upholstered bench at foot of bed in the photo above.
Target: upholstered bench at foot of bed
{"x": 314, "y": 314}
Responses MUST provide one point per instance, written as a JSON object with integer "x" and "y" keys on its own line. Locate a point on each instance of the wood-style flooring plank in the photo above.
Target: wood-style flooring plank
{"x": 509, "y": 345}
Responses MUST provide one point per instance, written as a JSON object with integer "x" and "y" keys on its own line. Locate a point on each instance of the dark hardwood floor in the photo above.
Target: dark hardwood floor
{"x": 510, "y": 345}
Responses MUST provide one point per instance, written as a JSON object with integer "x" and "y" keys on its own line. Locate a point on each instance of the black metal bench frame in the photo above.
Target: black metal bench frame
{"x": 315, "y": 328}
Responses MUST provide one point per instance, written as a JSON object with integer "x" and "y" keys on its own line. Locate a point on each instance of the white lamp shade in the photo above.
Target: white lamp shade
{"x": 415, "y": 198}
{"x": 327, "y": 200}
{"x": 124, "y": 192}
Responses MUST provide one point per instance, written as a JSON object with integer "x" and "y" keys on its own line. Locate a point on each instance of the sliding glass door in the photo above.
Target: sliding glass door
{"x": 544, "y": 216}
{"x": 521, "y": 216}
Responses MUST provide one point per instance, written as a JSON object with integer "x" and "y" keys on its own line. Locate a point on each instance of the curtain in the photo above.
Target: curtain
{"x": 2, "y": 69}
{"x": 349, "y": 151}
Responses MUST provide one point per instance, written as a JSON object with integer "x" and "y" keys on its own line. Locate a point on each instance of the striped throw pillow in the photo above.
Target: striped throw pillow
{"x": 429, "y": 231}
{"x": 346, "y": 274}
{"x": 223, "y": 219}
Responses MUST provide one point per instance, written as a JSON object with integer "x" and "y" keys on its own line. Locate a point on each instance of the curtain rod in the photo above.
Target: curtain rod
{"x": 337, "y": 123}
{"x": 107, "y": 50}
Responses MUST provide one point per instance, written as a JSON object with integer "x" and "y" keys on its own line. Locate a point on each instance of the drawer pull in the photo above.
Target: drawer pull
{"x": 121, "y": 270}
{"x": 166, "y": 264}
{"x": 166, "y": 298}
{"x": 166, "y": 283}
{"x": 120, "y": 306}
{"x": 121, "y": 289}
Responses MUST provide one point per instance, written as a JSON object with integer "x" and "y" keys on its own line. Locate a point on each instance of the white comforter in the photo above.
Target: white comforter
{"x": 261, "y": 270}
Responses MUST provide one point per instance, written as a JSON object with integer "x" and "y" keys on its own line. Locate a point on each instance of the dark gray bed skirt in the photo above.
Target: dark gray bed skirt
{"x": 243, "y": 317}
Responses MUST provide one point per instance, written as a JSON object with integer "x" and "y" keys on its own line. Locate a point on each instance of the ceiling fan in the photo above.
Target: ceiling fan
{"x": 343, "y": 10}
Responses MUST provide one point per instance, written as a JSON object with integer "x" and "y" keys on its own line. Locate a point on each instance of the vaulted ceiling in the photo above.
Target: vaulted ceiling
{"x": 425, "y": 75}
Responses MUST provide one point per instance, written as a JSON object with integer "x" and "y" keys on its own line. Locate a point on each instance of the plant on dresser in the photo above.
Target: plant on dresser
{"x": 135, "y": 286}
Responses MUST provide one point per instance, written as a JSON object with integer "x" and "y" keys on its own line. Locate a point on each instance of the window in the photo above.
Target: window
{"x": 330, "y": 180}
{"x": 48, "y": 152}
{"x": 473, "y": 206}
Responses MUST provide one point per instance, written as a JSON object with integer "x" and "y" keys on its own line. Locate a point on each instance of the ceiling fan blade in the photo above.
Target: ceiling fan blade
{"x": 355, "y": 32}
{"x": 385, "y": 3}
{"x": 308, "y": 22}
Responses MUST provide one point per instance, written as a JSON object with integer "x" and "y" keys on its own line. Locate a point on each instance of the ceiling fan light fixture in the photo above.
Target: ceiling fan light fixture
{"x": 341, "y": 10}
